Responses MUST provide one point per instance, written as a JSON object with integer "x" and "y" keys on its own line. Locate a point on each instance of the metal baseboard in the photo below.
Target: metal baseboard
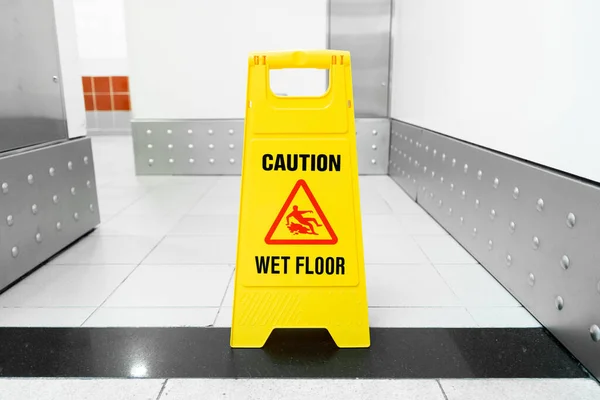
{"x": 214, "y": 147}
{"x": 536, "y": 231}
{"x": 48, "y": 200}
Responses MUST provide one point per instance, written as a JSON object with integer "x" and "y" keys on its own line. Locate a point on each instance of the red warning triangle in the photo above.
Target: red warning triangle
{"x": 301, "y": 228}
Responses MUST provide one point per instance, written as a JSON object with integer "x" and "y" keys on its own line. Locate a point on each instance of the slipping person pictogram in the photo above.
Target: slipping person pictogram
{"x": 304, "y": 224}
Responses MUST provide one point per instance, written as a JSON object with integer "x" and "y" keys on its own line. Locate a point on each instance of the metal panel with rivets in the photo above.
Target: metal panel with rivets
{"x": 48, "y": 200}
{"x": 214, "y": 147}
{"x": 403, "y": 166}
{"x": 535, "y": 230}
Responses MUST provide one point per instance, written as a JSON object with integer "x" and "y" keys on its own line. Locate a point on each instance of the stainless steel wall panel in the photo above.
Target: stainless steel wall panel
{"x": 536, "y": 231}
{"x": 403, "y": 165}
{"x": 31, "y": 102}
{"x": 373, "y": 143}
{"x": 363, "y": 28}
{"x": 214, "y": 147}
{"x": 48, "y": 200}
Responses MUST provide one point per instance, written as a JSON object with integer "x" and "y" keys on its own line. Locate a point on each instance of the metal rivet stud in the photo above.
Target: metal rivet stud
{"x": 433, "y": 174}
{"x": 492, "y": 214}
{"x": 452, "y": 187}
{"x": 38, "y": 237}
{"x": 373, "y": 161}
{"x": 462, "y": 220}
{"x": 34, "y": 209}
{"x": 15, "y": 251}
{"x": 427, "y": 148}
{"x": 474, "y": 232}
{"x": 559, "y": 303}
{"x": 496, "y": 183}
{"x": 55, "y": 199}
{"x": 476, "y": 203}
{"x": 441, "y": 179}
{"x": 440, "y": 203}
{"x": 231, "y": 161}
{"x": 479, "y": 174}
{"x": 536, "y": 242}
{"x": 169, "y": 131}
{"x": 86, "y": 160}
{"x": 374, "y": 132}
{"x": 466, "y": 168}
{"x": 512, "y": 226}
{"x": 58, "y": 226}
{"x": 170, "y": 146}
{"x": 92, "y": 208}
{"x": 490, "y": 244}
{"x": 210, "y": 132}
{"x": 76, "y": 216}
{"x": 516, "y": 193}
{"x": 454, "y": 162}
{"x": 444, "y": 157}
{"x": 9, "y": 220}
{"x": 508, "y": 260}
{"x": 571, "y": 220}
{"x": 463, "y": 194}
{"x": 231, "y": 146}
{"x": 374, "y": 147}
{"x": 51, "y": 171}
{"x": 211, "y": 146}
{"x": 190, "y": 131}
{"x": 231, "y": 131}
{"x": 565, "y": 262}
{"x": 4, "y": 187}
{"x": 423, "y": 188}
{"x": 450, "y": 211}
{"x": 88, "y": 184}
{"x": 431, "y": 195}
{"x": 212, "y": 160}
{"x": 191, "y": 160}
{"x": 540, "y": 204}
{"x": 150, "y": 161}
{"x": 30, "y": 179}
{"x": 149, "y": 132}
{"x": 150, "y": 146}
{"x": 595, "y": 333}
{"x": 73, "y": 192}
{"x": 425, "y": 168}
{"x": 171, "y": 160}
{"x": 70, "y": 165}
{"x": 434, "y": 152}
{"x": 531, "y": 279}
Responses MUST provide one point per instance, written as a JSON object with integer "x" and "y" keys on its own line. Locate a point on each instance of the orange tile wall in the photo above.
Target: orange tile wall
{"x": 106, "y": 93}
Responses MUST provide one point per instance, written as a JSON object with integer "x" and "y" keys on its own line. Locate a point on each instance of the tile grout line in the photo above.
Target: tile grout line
{"x": 224, "y": 295}
{"x": 162, "y": 389}
{"x": 123, "y": 281}
{"x": 442, "y": 389}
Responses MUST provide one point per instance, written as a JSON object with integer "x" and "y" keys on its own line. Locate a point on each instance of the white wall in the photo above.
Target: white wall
{"x": 518, "y": 76}
{"x": 72, "y": 87}
{"x": 101, "y": 37}
{"x": 188, "y": 58}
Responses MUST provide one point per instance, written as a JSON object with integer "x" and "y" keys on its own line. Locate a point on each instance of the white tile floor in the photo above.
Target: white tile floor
{"x": 164, "y": 255}
{"x": 291, "y": 389}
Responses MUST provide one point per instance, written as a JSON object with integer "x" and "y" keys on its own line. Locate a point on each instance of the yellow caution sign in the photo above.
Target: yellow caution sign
{"x": 300, "y": 257}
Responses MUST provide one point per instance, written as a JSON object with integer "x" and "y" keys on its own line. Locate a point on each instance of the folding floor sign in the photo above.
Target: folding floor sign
{"x": 300, "y": 260}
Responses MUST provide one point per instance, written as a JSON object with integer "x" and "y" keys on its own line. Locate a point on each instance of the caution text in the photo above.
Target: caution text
{"x": 302, "y": 162}
{"x": 275, "y": 265}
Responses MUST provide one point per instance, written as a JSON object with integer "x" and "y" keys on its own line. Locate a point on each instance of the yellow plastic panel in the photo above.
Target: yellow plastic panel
{"x": 300, "y": 260}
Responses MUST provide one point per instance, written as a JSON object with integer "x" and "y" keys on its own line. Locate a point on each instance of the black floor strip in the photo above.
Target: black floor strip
{"x": 205, "y": 353}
